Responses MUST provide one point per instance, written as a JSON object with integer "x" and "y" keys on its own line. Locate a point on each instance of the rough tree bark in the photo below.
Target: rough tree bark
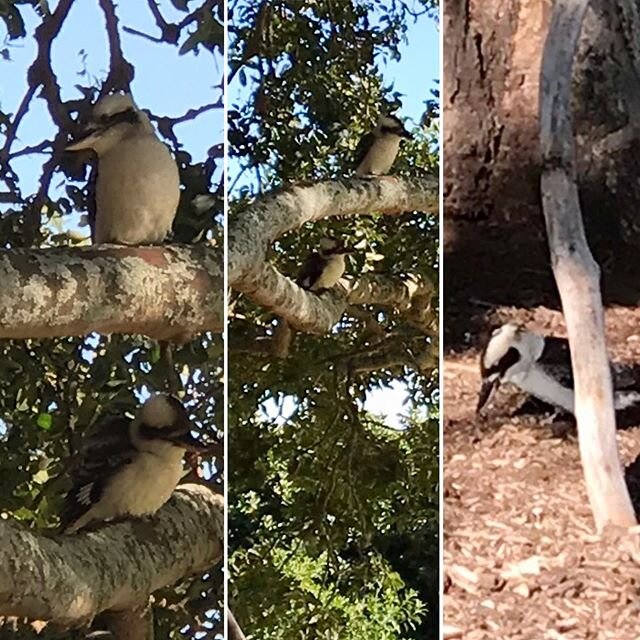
{"x": 254, "y": 230}
{"x": 492, "y": 161}
{"x": 161, "y": 292}
{"x": 71, "y": 579}
{"x": 578, "y": 275}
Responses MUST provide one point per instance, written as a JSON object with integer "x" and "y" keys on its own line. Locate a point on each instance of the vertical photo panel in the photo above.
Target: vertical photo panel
{"x": 541, "y": 388}
{"x": 111, "y": 319}
{"x": 333, "y": 133}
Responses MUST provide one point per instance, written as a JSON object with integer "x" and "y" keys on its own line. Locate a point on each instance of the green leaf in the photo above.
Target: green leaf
{"x": 45, "y": 421}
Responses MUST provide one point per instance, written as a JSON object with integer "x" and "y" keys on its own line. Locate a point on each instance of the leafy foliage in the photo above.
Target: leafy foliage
{"x": 333, "y": 514}
{"x": 53, "y": 391}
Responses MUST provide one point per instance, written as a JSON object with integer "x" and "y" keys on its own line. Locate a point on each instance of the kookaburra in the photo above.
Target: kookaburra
{"x": 541, "y": 367}
{"x": 138, "y": 186}
{"x": 323, "y": 269}
{"x": 377, "y": 151}
{"x": 130, "y": 467}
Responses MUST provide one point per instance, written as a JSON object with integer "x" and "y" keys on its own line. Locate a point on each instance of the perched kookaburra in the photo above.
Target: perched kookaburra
{"x": 377, "y": 151}
{"x": 130, "y": 467}
{"x": 541, "y": 367}
{"x": 138, "y": 187}
{"x": 323, "y": 269}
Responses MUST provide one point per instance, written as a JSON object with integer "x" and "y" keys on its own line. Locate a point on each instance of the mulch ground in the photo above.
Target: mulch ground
{"x": 521, "y": 558}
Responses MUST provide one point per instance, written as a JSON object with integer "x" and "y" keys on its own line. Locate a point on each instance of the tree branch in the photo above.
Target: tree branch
{"x": 235, "y": 632}
{"x": 130, "y": 624}
{"x": 313, "y": 313}
{"x": 577, "y": 274}
{"x": 161, "y": 292}
{"x": 120, "y": 71}
{"x": 254, "y": 229}
{"x": 396, "y": 351}
{"x": 70, "y": 579}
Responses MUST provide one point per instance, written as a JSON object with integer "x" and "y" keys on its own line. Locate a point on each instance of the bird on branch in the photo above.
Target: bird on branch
{"x": 376, "y": 152}
{"x": 323, "y": 269}
{"x": 130, "y": 467}
{"x": 137, "y": 186}
{"x": 320, "y": 272}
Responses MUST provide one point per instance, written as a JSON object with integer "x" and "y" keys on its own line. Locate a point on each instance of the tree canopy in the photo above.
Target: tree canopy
{"x": 333, "y": 509}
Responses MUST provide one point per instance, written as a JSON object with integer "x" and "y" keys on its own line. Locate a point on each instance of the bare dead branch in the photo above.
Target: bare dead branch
{"x": 577, "y": 274}
{"x": 12, "y": 127}
{"x": 41, "y": 147}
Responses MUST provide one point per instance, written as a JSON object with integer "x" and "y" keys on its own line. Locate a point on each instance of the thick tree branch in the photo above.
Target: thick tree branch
{"x": 161, "y": 292}
{"x": 577, "y": 274}
{"x": 313, "y": 313}
{"x": 254, "y": 229}
{"x": 70, "y": 579}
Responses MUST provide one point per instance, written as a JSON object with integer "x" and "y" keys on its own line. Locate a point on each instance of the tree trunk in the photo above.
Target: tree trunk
{"x": 492, "y": 165}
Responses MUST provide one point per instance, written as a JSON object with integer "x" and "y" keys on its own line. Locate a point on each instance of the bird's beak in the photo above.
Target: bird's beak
{"x": 86, "y": 142}
{"x": 405, "y": 134}
{"x": 186, "y": 440}
{"x": 488, "y": 388}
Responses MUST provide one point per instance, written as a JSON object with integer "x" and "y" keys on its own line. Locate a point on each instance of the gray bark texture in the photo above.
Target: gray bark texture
{"x": 254, "y": 230}
{"x": 71, "y": 579}
{"x": 162, "y": 292}
{"x": 577, "y": 274}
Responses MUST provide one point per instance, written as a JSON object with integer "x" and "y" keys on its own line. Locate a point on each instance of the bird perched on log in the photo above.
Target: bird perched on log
{"x": 377, "y": 151}
{"x": 137, "y": 187}
{"x": 130, "y": 467}
{"x": 541, "y": 366}
{"x": 323, "y": 269}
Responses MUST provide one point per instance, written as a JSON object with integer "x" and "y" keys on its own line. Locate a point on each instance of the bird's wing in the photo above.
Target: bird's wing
{"x": 364, "y": 145}
{"x": 556, "y": 360}
{"x": 310, "y": 271}
{"x": 556, "y": 351}
{"x": 101, "y": 453}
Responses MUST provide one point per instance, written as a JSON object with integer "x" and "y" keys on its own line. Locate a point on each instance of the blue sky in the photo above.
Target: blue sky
{"x": 165, "y": 82}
